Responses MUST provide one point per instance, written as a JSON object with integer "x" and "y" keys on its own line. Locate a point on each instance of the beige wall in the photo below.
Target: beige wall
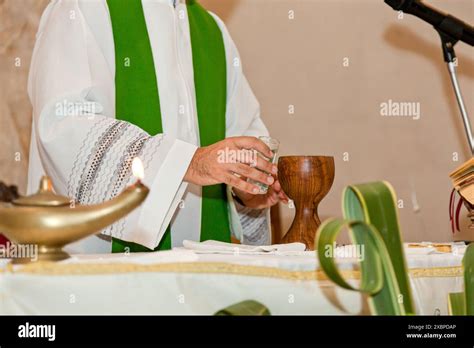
{"x": 18, "y": 23}
{"x": 337, "y": 109}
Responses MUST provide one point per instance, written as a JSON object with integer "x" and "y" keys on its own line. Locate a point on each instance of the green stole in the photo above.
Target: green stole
{"x": 138, "y": 102}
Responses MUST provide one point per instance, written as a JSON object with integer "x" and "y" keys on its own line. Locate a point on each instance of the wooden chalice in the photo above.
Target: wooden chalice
{"x": 306, "y": 180}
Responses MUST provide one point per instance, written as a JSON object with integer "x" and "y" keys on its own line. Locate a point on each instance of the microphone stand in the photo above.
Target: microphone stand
{"x": 448, "y": 43}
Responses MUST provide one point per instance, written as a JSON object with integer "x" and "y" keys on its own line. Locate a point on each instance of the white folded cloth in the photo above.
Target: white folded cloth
{"x": 215, "y": 247}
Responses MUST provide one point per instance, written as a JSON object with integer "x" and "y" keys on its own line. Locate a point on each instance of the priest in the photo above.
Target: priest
{"x": 162, "y": 80}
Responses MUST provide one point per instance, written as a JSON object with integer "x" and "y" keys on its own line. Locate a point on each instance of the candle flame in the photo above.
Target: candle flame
{"x": 137, "y": 168}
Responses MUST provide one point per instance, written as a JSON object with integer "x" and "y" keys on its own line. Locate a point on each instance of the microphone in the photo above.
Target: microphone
{"x": 442, "y": 22}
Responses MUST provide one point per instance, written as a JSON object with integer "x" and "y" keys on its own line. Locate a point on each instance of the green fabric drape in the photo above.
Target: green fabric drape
{"x": 210, "y": 79}
{"x": 138, "y": 102}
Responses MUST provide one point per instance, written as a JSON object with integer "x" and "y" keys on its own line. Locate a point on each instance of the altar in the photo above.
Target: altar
{"x": 186, "y": 282}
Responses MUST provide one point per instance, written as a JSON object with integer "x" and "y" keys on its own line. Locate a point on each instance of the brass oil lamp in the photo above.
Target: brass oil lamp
{"x": 51, "y": 222}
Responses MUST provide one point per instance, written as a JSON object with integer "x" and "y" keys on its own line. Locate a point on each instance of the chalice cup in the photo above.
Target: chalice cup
{"x": 306, "y": 180}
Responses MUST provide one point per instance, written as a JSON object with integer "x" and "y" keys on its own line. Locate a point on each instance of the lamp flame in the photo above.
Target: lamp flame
{"x": 137, "y": 168}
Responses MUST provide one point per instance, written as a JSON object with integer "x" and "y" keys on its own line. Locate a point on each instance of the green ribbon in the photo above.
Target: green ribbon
{"x": 371, "y": 217}
{"x": 245, "y": 308}
{"x": 468, "y": 264}
{"x": 138, "y": 102}
{"x": 462, "y": 303}
{"x": 457, "y": 303}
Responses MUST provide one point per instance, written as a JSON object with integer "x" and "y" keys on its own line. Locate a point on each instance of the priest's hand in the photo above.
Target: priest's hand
{"x": 230, "y": 162}
{"x": 274, "y": 195}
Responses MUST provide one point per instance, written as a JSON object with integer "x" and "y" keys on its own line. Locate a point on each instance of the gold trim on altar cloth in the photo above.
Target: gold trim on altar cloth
{"x": 67, "y": 269}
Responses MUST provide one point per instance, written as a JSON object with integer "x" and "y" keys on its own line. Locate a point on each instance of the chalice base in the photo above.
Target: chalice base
{"x": 45, "y": 254}
{"x": 302, "y": 230}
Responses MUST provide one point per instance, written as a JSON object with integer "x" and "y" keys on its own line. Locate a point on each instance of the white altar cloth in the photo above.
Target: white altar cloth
{"x": 184, "y": 282}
